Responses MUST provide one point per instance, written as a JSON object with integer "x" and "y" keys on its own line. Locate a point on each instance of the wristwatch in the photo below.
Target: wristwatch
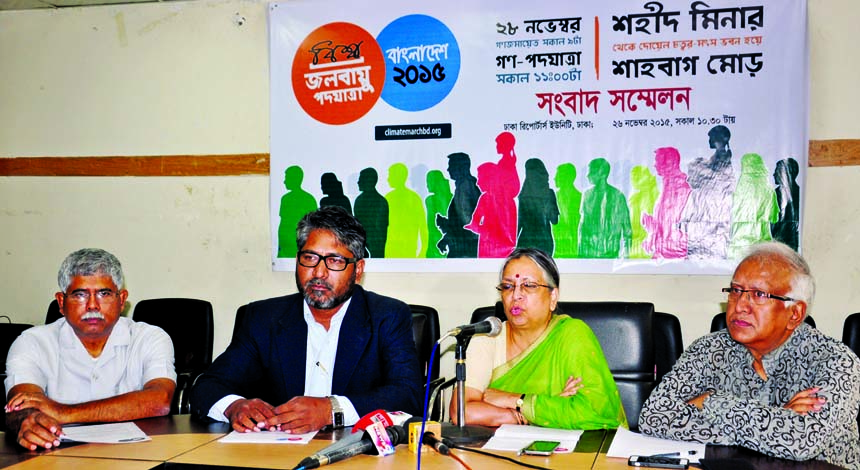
{"x": 336, "y": 413}
{"x": 520, "y": 402}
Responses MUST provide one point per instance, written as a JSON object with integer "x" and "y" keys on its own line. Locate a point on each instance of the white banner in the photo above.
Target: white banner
{"x": 631, "y": 137}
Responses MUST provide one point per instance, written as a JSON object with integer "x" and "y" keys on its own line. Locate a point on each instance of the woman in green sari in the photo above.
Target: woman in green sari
{"x": 543, "y": 369}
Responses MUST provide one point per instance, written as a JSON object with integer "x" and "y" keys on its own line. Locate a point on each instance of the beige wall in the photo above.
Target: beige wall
{"x": 184, "y": 78}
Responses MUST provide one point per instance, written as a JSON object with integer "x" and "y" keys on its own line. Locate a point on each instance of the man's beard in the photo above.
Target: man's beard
{"x": 324, "y": 303}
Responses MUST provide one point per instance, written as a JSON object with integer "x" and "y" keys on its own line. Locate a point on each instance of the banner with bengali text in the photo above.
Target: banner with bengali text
{"x": 621, "y": 137}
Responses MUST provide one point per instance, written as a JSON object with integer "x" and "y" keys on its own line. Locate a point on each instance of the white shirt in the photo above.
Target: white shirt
{"x": 52, "y": 357}
{"x": 319, "y": 365}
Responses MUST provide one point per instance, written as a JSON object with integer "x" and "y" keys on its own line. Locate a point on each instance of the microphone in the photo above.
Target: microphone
{"x": 491, "y": 326}
{"x": 430, "y": 440}
{"x": 365, "y": 445}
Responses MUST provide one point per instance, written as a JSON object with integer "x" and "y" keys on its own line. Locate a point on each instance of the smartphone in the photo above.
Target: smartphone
{"x": 539, "y": 448}
{"x": 657, "y": 462}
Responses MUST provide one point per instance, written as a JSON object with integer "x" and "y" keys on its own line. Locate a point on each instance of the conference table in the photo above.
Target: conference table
{"x": 180, "y": 443}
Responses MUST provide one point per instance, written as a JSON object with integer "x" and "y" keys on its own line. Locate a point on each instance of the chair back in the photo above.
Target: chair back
{"x": 53, "y": 314}
{"x": 189, "y": 323}
{"x": 668, "y": 343}
{"x": 9, "y": 332}
{"x": 237, "y": 323}
{"x": 719, "y": 322}
{"x": 425, "y": 332}
{"x": 625, "y": 331}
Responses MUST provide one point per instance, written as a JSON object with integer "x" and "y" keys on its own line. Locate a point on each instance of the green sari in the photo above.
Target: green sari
{"x": 567, "y": 348}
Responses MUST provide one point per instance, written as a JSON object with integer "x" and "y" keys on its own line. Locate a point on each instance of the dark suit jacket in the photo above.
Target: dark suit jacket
{"x": 376, "y": 365}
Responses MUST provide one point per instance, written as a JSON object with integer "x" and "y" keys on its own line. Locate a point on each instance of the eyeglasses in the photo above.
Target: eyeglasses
{"x": 756, "y": 296}
{"x": 309, "y": 259}
{"x": 527, "y": 287}
{"x": 103, "y": 296}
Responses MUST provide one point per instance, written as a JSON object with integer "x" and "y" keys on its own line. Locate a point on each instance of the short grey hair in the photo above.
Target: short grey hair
{"x": 802, "y": 282}
{"x": 346, "y": 229}
{"x": 89, "y": 262}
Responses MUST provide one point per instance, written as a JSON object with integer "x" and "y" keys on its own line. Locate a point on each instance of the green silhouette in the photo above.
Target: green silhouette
{"x": 371, "y": 209}
{"x": 566, "y": 231}
{"x": 641, "y": 202}
{"x": 538, "y": 209}
{"x": 436, "y": 202}
{"x": 754, "y": 206}
{"x": 333, "y": 190}
{"x": 787, "y": 227}
{"x": 294, "y": 205}
{"x": 407, "y": 224}
{"x": 605, "y": 229}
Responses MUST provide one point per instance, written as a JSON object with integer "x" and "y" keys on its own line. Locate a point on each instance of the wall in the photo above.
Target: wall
{"x": 186, "y": 78}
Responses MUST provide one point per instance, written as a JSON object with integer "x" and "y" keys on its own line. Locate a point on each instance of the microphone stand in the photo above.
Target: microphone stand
{"x": 461, "y": 434}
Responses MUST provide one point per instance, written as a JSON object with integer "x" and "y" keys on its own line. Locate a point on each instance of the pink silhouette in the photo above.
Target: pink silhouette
{"x": 495, "y": 217}
{"x": 665, "y": 238}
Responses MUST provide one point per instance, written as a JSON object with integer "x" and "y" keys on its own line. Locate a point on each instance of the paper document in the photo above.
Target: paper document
{"x": 627, "y": 443}
{"x": 513, "y": 437}
{"x": 267, "y": 437}
{"x": 113, "y": 433}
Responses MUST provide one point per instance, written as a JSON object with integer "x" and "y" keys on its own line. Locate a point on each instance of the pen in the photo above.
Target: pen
{"x": 132, "y": 439}
{"x": 668, "y": 454}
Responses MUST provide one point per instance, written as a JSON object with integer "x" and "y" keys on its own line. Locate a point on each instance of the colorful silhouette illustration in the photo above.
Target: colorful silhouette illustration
{"x": 407, "y": 223}
{"x": 457, "y": 242}
{"x": 787, "y": 226}
{"x": 371, "y": 209}
{"x": 708, "y": 214}
{"x": 642, "y": 202}
{"x": 436, "y": 202}
{"x": 294, "y": 205}
{"x": 333, "y": 190}
{"x": 665, "y": 238}
{"x": 605, "y": 228}
{"x": 754, "y": 206}
{"x": 538, "y": 208}
{"x": 566, "y": 231}
{"x": 495, "y": 217}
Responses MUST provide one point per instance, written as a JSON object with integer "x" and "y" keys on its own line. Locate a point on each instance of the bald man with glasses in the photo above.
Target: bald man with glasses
{"x": 325, "y": 356}
{"x": 769, "y": 382}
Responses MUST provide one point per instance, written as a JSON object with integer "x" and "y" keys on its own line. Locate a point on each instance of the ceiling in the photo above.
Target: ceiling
{"x": 33, "y": 4}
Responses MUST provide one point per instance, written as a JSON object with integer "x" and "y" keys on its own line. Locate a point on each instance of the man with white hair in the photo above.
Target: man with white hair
{"x": 92, "y": 365}
{"x": 769, "y": 382}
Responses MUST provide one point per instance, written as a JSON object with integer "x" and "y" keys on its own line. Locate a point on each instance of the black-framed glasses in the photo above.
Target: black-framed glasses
{"x": 758, "y": 297}
{"x": 309, "y": 259}
{"x": 527, "y": 287}
{"x": 103, "y": 296}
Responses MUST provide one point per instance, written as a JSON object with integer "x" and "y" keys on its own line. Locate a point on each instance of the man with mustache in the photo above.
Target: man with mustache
{"x": 322, "y": 357}
{"x": 92, "y": 365}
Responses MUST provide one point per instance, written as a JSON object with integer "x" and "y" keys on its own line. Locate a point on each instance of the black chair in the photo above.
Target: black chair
{"x": 626, "y": 332}
{"x": 668, "y": 343}
{"x": 53, "y": 313}
{"x": 425, "y": 332}
{"x": 9, "y": 332}
{"x": 240, "y": 317}
{"x": 189, "y": 323}
{"x": 719, "y": 322}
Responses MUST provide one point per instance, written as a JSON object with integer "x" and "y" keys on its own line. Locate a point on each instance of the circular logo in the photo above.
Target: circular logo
{"x": 338, "y": 73}
{"x": 422, "y": 62}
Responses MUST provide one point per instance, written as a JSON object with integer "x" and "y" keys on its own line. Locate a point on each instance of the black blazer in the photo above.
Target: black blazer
{"x": 376, "y": 365}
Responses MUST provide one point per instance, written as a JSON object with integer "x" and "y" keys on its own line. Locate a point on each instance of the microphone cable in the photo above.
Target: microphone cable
{"x": 502, "y": 457}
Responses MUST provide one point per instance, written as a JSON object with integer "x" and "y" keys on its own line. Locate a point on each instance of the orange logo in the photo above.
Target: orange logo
{"x": 338, "y": 73}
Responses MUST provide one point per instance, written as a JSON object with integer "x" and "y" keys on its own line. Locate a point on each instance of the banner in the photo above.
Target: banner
{"x": 628, "y": 137}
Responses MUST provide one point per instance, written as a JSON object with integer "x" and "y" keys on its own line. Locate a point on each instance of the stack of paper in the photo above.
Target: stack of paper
{"x": 514, "y": 437}
{"x": 267, "y": 437}
{"x": 627, "y": 443}
{"x": 113, "y": 433}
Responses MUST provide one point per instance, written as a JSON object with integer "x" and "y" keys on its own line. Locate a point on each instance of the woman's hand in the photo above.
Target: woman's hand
{"x": 501, "y": 399}
{"x": 571, "y": 387}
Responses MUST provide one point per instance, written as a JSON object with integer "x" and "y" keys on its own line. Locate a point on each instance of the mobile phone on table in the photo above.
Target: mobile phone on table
{"x": 539, "y": 448}
{"x": 657, "y": 462}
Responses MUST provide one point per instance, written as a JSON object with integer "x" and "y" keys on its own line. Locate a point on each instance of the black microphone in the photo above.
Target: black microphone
{"x": 430, "y": 440}
{"x": 491, "y": 326}
{"x": 326, "y": 456}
